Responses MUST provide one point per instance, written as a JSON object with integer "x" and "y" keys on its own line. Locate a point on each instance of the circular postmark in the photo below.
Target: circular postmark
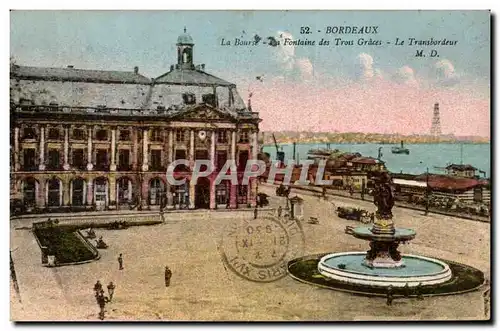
{"x": 259, "y": 249}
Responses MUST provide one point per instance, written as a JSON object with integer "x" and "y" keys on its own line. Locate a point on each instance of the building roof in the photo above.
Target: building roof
{"x": 461, "y": 167}
{"x": 80, "y": 75}
{"x": 365, "y": 160}
{"x": 407, "y": 182}
{"x": 444, "y": 182}
{"x": 191, "y": 77}
{"x": 185, "y": 39}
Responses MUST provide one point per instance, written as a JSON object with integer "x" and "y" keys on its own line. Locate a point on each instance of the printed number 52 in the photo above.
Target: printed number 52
{"x": 304, "y": 30}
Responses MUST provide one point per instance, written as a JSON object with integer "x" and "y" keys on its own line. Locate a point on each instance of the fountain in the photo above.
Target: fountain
{"x": 383, "y": 265}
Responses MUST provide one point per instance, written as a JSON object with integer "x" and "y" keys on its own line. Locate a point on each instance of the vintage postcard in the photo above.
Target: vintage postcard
{"x": 250, "y": 165}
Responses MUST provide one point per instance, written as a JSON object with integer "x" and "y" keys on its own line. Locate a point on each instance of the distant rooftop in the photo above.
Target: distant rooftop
{"x": 81, "y": 75}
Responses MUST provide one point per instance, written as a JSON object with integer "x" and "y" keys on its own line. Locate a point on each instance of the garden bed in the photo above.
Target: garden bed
{"x": 66, "y": 245}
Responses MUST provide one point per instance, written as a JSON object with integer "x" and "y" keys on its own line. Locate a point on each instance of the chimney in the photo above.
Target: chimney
{"x": 136, "y": 70}
{"x": 71, "y": 66}
{"x": 172, "y": 67}
{"x": 203, "y": 67}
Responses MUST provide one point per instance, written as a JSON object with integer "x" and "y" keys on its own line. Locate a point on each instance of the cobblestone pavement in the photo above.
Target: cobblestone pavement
{"x": 202, "y": 288}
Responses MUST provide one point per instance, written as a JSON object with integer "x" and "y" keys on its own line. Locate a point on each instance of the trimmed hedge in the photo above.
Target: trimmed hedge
{"x": 464, "y": 279}
{"x": 65, "y": 245}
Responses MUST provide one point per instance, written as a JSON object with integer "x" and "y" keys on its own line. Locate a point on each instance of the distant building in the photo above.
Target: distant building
{"x": 461, "y": 170}
{"x": 92, "y": 139}
{"x": 436, "y": 122}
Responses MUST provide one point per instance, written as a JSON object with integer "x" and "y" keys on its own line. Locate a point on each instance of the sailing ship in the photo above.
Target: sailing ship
{"x": 400, "y": 150}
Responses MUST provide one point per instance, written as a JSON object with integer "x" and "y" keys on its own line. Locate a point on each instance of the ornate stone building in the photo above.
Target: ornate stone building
{"x": 91, "y": 139}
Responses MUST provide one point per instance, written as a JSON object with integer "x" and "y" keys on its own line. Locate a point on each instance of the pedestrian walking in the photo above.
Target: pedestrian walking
{"x": 97, "y": 287}
{"x": 255, "y": 213}
{"x": 168, "y": 276}
{"x": 120, "y": 261}
{"x": 389, "y": 296}
{"x": 111, "y": 290}
{"x": 101, "y": 302}
{"x": 280, "y": 210}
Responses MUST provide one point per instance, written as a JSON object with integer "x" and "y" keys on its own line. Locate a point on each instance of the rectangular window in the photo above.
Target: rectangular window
{"x": 124, "y": 135}
{"x": 242, "y": 194}
{"x": 222, "y": 137}
{"x": 243, "y": 137}
{"x": 54, "y": 160}
{"x": 29, "y": 133}
{"x": 221, "y": 159}
{"x": 180, "y": 135}
{"x": 180, "y": 154}
{"x": 78, "y": 134}
{"x": 156, "y": 135}
{"x": 101, "y": 135}
{"x": 189, "y": 98}
{"x": 209, "y": 99}
{"x": 222, "y": 194}
{"x": 54, "y": 134}
{"x": 78, "y": 159}
{"x": 102, "y": 159}
{"x": 156, "y": 159}
{"x": 29, "y": 159}
{"x": 123, "y": 160}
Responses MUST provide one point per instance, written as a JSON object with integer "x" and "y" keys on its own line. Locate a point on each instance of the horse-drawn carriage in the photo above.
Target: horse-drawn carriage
{"x": 355, "y": 214}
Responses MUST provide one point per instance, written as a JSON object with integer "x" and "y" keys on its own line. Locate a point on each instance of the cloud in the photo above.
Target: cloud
{"x": 445, "y": 73}
{"x": 284, "y": 55}
{"x": 304, "y": 69}
{"x": 406, "y": 75}
{"x": 364, "y": 70}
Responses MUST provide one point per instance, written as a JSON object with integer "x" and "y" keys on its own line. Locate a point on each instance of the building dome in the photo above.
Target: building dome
{"x": 185, "y": 39}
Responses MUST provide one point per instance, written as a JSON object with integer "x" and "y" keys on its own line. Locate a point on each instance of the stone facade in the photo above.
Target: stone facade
{"x": 88, "y": 139}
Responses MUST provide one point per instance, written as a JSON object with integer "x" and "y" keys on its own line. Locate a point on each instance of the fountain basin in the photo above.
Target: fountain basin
{"x": 400, "y": 234}
{"x": 417, "y": 270}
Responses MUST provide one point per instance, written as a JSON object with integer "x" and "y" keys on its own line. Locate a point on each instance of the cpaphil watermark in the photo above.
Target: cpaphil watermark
{"x": 253, "y": 169}
{"x": 259, "y": 250}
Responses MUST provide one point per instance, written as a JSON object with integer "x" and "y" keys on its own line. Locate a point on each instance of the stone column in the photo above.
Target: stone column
{"x": 40, "y": 194}
{"x": 66, "y": 148}
{"x": 113, "y": 150}
{"x": 233, "y": 145}
{"x": 90, "y": 193}
{"x": 170, "y": 197}
{"x": 145, "y": 151}
{"x": 232, "y": 197}
{"x": 41, "y": 166}
{"x": 170, "y": 146}
{"x": 16, "y": 149}
{"x": 90, "y": 165}
{"x": 212, "y": 177}
{"x": 135, "y": 149}
{"x": 191, "y": 148}
{"x": 112, "y": 191}
{"x": 192, "y": 190}
{"x": 145, "y": 193}
{"x": 255, "y": 145}
{"x": 66, "y": 193}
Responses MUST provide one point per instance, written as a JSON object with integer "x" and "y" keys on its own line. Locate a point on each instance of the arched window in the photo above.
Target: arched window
{"x": 78, "y": 192}
{"x": 29, "y": 192}
{"x": 124, "y": 190}
{"x": 155, "y": 191}
{"x": 54, "y": 197}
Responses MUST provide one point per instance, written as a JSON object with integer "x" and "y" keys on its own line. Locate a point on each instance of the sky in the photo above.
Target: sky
{"x": 371, "y": 88}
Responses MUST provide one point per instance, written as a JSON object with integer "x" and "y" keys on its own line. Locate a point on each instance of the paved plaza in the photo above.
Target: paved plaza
{"x": 202, "y": 288}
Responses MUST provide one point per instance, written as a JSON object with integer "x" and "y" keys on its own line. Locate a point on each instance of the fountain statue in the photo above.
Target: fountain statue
{"x": 383, "y": 265}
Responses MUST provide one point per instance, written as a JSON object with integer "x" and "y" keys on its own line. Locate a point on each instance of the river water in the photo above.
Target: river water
{"x": 421, "y": 157}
